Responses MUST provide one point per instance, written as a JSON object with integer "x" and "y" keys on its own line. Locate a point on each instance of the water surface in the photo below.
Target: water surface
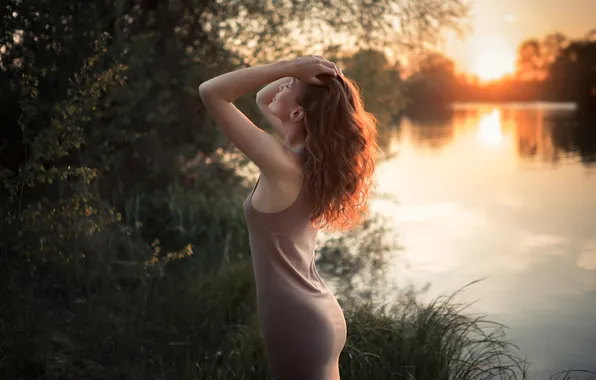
{"x": 505, "y": 193}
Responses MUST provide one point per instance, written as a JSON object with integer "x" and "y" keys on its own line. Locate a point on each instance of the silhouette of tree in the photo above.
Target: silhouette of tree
{"x": 572, "y": 76}
{"x": 530, "y": 64}
{"x": 591, "y": 35}
{"x": 433, "y": 83}
{"x": 551, "y": 47}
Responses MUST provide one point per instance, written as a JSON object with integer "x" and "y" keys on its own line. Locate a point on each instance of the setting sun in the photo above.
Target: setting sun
{"x": 493, "y": 63}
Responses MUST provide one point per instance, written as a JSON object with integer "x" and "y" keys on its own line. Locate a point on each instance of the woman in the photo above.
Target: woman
{"x": 317, "y": 177}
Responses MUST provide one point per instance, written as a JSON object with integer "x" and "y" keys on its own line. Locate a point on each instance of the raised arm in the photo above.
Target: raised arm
{"x": 259, "y": 146}
{"x": 270, "y": 155}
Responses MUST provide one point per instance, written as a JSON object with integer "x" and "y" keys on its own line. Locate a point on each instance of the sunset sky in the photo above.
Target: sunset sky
{"x": 500, "y": 25}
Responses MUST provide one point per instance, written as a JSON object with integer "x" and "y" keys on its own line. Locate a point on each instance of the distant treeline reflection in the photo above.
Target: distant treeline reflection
{"x": 550, "y": 135}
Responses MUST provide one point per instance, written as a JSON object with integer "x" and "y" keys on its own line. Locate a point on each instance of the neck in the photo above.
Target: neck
{"x": 295, "y": 137}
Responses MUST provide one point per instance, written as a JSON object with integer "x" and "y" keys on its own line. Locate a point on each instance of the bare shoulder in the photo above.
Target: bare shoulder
{"x": 278, "y": 190}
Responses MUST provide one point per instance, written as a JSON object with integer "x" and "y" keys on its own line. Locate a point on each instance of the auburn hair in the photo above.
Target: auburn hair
{"x": 340, "y": 152}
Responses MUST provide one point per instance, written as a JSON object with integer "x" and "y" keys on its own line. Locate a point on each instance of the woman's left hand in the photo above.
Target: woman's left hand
{"x": 308, "y": 67}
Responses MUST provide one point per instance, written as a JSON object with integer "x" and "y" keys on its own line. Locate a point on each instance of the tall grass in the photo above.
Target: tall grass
{"x": 438, "y": 340}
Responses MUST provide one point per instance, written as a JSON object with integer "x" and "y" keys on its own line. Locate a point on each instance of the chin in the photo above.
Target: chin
{"x": 273, "y": 109}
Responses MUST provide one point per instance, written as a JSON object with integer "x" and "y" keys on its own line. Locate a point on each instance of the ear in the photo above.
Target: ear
{"x": 297, "y": 114}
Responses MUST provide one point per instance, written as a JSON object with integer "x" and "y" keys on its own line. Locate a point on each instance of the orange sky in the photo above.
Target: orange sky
{"x": 500, "y": 25}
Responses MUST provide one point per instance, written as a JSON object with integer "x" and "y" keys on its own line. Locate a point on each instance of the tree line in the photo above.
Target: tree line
{"x": 554, "y": 68}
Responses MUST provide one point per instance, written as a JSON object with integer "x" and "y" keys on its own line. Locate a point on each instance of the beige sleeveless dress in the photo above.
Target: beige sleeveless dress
{"x": 301, "y": 322}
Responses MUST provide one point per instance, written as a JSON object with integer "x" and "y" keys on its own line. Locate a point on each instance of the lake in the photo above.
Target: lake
{"x": 506, "y": 193}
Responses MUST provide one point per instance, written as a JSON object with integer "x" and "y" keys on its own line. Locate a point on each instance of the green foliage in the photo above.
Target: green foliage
{"x": 212, "y": 224}
{"x": 432, "y": 84}
{"x": 207, "y": 329}
{"x": 44, "y": 226}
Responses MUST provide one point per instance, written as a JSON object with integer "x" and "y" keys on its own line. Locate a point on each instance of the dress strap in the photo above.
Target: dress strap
{"x": 299, "y": 150}
{"x": 255, "y": 187}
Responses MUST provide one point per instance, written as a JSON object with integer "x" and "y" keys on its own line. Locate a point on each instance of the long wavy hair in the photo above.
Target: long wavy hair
{"x": 340, "y": 152}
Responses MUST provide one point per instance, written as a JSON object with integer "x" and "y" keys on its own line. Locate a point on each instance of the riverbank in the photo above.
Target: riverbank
{"x": 178, "y": 326}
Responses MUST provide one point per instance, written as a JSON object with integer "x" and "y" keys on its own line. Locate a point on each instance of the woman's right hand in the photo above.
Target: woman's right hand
{"x": 308, "y": 67}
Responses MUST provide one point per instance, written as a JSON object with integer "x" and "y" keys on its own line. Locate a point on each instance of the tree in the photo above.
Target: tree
{"x": 433, "y": 82}
{"x": 535, "y": 57}
{"x": 279, "y": 29}
{"x": 530, "y": 63}
{"x": 572, "y": 77}
{"x": 552, "y": 45}
{"x": 591, "y": 36}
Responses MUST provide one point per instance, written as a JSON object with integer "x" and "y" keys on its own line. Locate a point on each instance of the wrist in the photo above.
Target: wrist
{"x": 285, "y": 68}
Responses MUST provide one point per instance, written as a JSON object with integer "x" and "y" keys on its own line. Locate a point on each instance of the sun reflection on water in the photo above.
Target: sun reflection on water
{"x": 489, "y": 129}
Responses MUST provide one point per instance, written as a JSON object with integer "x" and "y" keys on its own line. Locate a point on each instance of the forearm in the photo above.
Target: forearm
{"x": 266, "y": 94}
{"x": 233, "y": 85}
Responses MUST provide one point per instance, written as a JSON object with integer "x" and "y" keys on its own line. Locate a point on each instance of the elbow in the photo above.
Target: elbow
{"x": 209, "y": 93}
{"x": 259, "y": 97}
{"x": 204, "y": 90}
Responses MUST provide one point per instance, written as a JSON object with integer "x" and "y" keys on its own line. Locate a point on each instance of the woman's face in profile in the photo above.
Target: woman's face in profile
{"x": 286, "y": 99}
